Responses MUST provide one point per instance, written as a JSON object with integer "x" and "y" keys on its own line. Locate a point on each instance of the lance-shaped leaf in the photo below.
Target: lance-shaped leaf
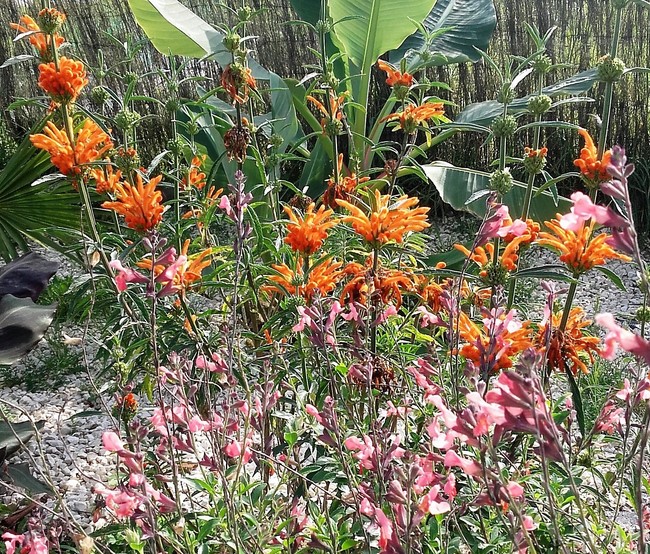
{"x": 13, "y": 434}
{"x": 27, "y": 276}
{"x": 461, "y": 188}
{"x": 469, "y": 24}
{"x": 482, "y": 113}
{"x": 22, "y": 325}
{"x": 21, "y": 476}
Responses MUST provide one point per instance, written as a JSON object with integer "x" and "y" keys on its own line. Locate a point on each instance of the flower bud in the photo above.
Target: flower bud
{"x": 506, "y": 95}
{"x": 504, "y": 126}
{"x": 540, "y": 104}
{"x": 501, "y": 181}
{"x": 534, "y": 160}
{"x": 541, "y": 65}
{"x": 232, "y": 41}
{"x": 176, "y": 146}
{"x": 609, "y": 70}
{"x": 50, "y": 20}
{"x": 495, "y": 275}
{"x": 126, "y": 119}
{"x": 245, "y": 13}
{"x": 99, "y": 95}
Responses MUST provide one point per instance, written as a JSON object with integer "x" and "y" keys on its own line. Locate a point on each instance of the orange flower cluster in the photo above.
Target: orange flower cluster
{"x": 91, "y": 145}
{"x": 140, "y": 205}
{"x": 321, "y": 280}
{"x": 38, "y": 39}
{"x": 565, "y": 347}
{"x": 188, "y": 273}
{"x": 593, "y": 169}
{"x": 581, "y": 250}
{"x": 386, "y": 222}
{"x": 395, "y": 78}
{"x": 539, "y": 153}
{"x": 195, "y": 177}
{"x": 429, "y": 289}
{"x": 333, "y": 117}
{"x": 106, "y": 179}
{"x": 63, "y": 82}
{"x": 238, "y": 81}
{"x": 343, "y": 188}
{"x": 306, "y": 234}
{"x": 499, "y": 356}
{"x": 385, "y": 284}
{"x": 412, "y": 116}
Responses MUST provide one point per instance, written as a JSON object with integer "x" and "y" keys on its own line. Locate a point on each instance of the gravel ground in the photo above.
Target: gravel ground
{"x": 71, "y": 447}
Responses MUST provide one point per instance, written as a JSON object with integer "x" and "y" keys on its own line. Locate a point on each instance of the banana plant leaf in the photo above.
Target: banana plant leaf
{"x": 22, "y": 325}
{"x": 12, "y": 434}
{"x": 461, "y": 188}
{"x": 469, "y": 25}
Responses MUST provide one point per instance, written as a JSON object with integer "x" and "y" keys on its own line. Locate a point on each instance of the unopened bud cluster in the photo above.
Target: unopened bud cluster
{"x": 504, "y": 126}
{"x": 501, "y": 181}
{"x": 534, "y": 160}
{"x": 540, "y": 104}
{"x": 126, "y": 119}
{"x": 609, "y": 70}
{"x": 541, "y": 65}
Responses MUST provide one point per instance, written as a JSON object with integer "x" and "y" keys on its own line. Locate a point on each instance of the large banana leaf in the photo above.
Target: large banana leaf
{"x": 469, "y": 25}
{"x": 458, "y": 185}
{"x": 482, "y": 113}
{"x": 27, "y": 276}
{"x": 175, "y": 30}
{"x": 29, "y": 205}
{"x": 369, "y": 28}
{"x": 22, "y": 325}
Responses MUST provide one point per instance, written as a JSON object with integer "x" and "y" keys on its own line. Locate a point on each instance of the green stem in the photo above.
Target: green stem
{"x": 568, "y": 304}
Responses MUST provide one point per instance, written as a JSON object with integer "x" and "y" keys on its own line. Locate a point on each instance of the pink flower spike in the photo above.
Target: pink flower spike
{"x": 126, "y": 275}
{"x": 472, "y": 468}
{"x": 112, "y": 442}
{"x": 313, "y": 412}
{"x": 617, "y": 336}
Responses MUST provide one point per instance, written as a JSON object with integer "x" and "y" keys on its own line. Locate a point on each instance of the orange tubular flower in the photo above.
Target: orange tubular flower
{"x": 91, "y": 145}
{"x": 195, "y": 178}
{"x": 412, "y": 116}
{"x": 395, "y": 78}
{"x": 306, "y": 234}
{"x": 386, "y": 284}
{"x": 65, "y": 83}
{"x": 238, "y": 81}
{"x": 490, "y": 353}
{"x": 188, "y": 273}
{"x": 580, "y": 251}
{"x": 331, "y": 121}
{"x": 565, "y": 347}
{"x": 429, "y": 290}
{"x": 140, "y": 205}
{"x": 593, "y": 170}
{"x": 38, "y": 39}
{"x": 386, "y": 222}
{"x": 322, "y": 279}
{"x": 343, "y": 189}
{"x": 211, "y": 199}
{"x": 106, "y": 179}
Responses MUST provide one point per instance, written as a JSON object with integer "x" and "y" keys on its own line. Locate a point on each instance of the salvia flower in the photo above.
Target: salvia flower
{"x": 139, "y": 204}
{"x": 593, "y": 170}
{"x": 387, "y": 221}
{"x": 306, "y": 234}
{"x": 63, "y": 82}
{"x": 627, "y": 340}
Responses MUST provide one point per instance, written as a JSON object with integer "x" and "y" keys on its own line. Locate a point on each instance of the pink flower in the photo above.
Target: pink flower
{"x": 123, "y": 503}
{"x": 11, "y": 541}
{"x": 515, "y": 229}
{"x": 432, "y": 504}
{"x": 617, "y": 336}
{"x": 112, "y": 442}
{"x": 385, "y": 528}
{"x": 584, "y": 209}
{"x": 313, "y": 412}
{"x": 126, "y": 275}
{"x": 471, "y": 467}
{"x": 197, "y": 424}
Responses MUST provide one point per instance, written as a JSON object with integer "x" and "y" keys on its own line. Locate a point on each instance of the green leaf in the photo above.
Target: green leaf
{"x": 456, "y": 185}
{"x": 612, "y": 277}
{"x": 24, "y": 431}
{"x": 469, "y": 24}
{"x": 375, "y": 26}
{"x": 482, "y": 113}
{"x": 577, "y": 401}
{"x": 545, "y": 272}
{"x": 175, "y": 30}
{"x": 20, "y": 475}
{"x": 26, "y": 276}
